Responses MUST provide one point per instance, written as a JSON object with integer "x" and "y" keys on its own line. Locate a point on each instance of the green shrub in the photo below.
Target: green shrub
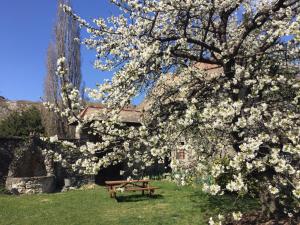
{"x": 22, "y": 124}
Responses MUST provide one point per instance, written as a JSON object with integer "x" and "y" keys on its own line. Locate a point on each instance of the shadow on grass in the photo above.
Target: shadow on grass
{"x": 224, "y": 203}
{"x": 137, "y": 198}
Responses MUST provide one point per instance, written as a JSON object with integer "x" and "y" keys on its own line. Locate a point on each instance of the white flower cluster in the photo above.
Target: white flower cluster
{"x": 61, "y": 69}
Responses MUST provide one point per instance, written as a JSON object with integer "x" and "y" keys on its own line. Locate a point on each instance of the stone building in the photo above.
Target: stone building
{"x": 130, "y": 116}
{"x": 170, "y": 86}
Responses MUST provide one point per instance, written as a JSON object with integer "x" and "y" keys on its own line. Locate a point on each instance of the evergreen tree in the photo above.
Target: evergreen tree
{"x": 22, "y": 124}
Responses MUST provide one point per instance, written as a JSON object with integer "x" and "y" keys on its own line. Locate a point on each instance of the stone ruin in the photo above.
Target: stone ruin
{"x": 30, "y": 172}
{"x": 25, "y": 170}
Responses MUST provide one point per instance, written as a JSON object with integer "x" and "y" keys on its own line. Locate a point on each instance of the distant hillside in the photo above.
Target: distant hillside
{"x": 7, "y": 106}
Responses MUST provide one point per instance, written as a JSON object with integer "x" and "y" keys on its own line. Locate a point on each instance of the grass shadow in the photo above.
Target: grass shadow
{"x": 224, "y": 203}
{"x": 137, "y": 198}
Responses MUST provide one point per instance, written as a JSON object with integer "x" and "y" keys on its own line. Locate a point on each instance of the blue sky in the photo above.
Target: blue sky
{"x": 25, "y": 31}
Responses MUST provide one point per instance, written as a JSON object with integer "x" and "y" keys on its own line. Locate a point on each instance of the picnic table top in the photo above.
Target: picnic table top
{"x": 116, "y": 182}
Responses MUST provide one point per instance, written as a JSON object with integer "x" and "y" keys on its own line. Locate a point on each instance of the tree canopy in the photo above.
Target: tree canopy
{"x": 239, "y": 115}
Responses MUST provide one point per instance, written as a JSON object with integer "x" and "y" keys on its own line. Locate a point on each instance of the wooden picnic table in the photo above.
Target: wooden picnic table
{"x": 129, "y": 185}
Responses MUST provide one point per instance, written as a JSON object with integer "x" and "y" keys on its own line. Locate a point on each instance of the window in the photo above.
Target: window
{"x": 181, "y": 154}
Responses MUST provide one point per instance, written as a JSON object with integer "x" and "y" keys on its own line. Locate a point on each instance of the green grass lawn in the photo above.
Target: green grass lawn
{"x": 170, "y": 205}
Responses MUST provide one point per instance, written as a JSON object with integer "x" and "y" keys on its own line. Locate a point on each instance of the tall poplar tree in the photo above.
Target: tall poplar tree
{"x": 66, "y": 44}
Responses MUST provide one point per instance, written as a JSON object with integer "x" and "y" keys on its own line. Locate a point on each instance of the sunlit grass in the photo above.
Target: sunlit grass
{"x": 170, "y": 205}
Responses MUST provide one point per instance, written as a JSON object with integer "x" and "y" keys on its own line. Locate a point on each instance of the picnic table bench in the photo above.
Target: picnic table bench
{"x": 129, "y": 185}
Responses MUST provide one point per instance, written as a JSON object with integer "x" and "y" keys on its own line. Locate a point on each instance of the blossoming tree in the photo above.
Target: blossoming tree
{"x": 240, "y": 115}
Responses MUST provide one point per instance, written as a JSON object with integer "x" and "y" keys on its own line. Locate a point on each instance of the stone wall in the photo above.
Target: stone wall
{"x": 7, "y": 148}
{"x": 31, "y": 185}
{"x": 24, "y": 169}
{"x": 28, "y": 160}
